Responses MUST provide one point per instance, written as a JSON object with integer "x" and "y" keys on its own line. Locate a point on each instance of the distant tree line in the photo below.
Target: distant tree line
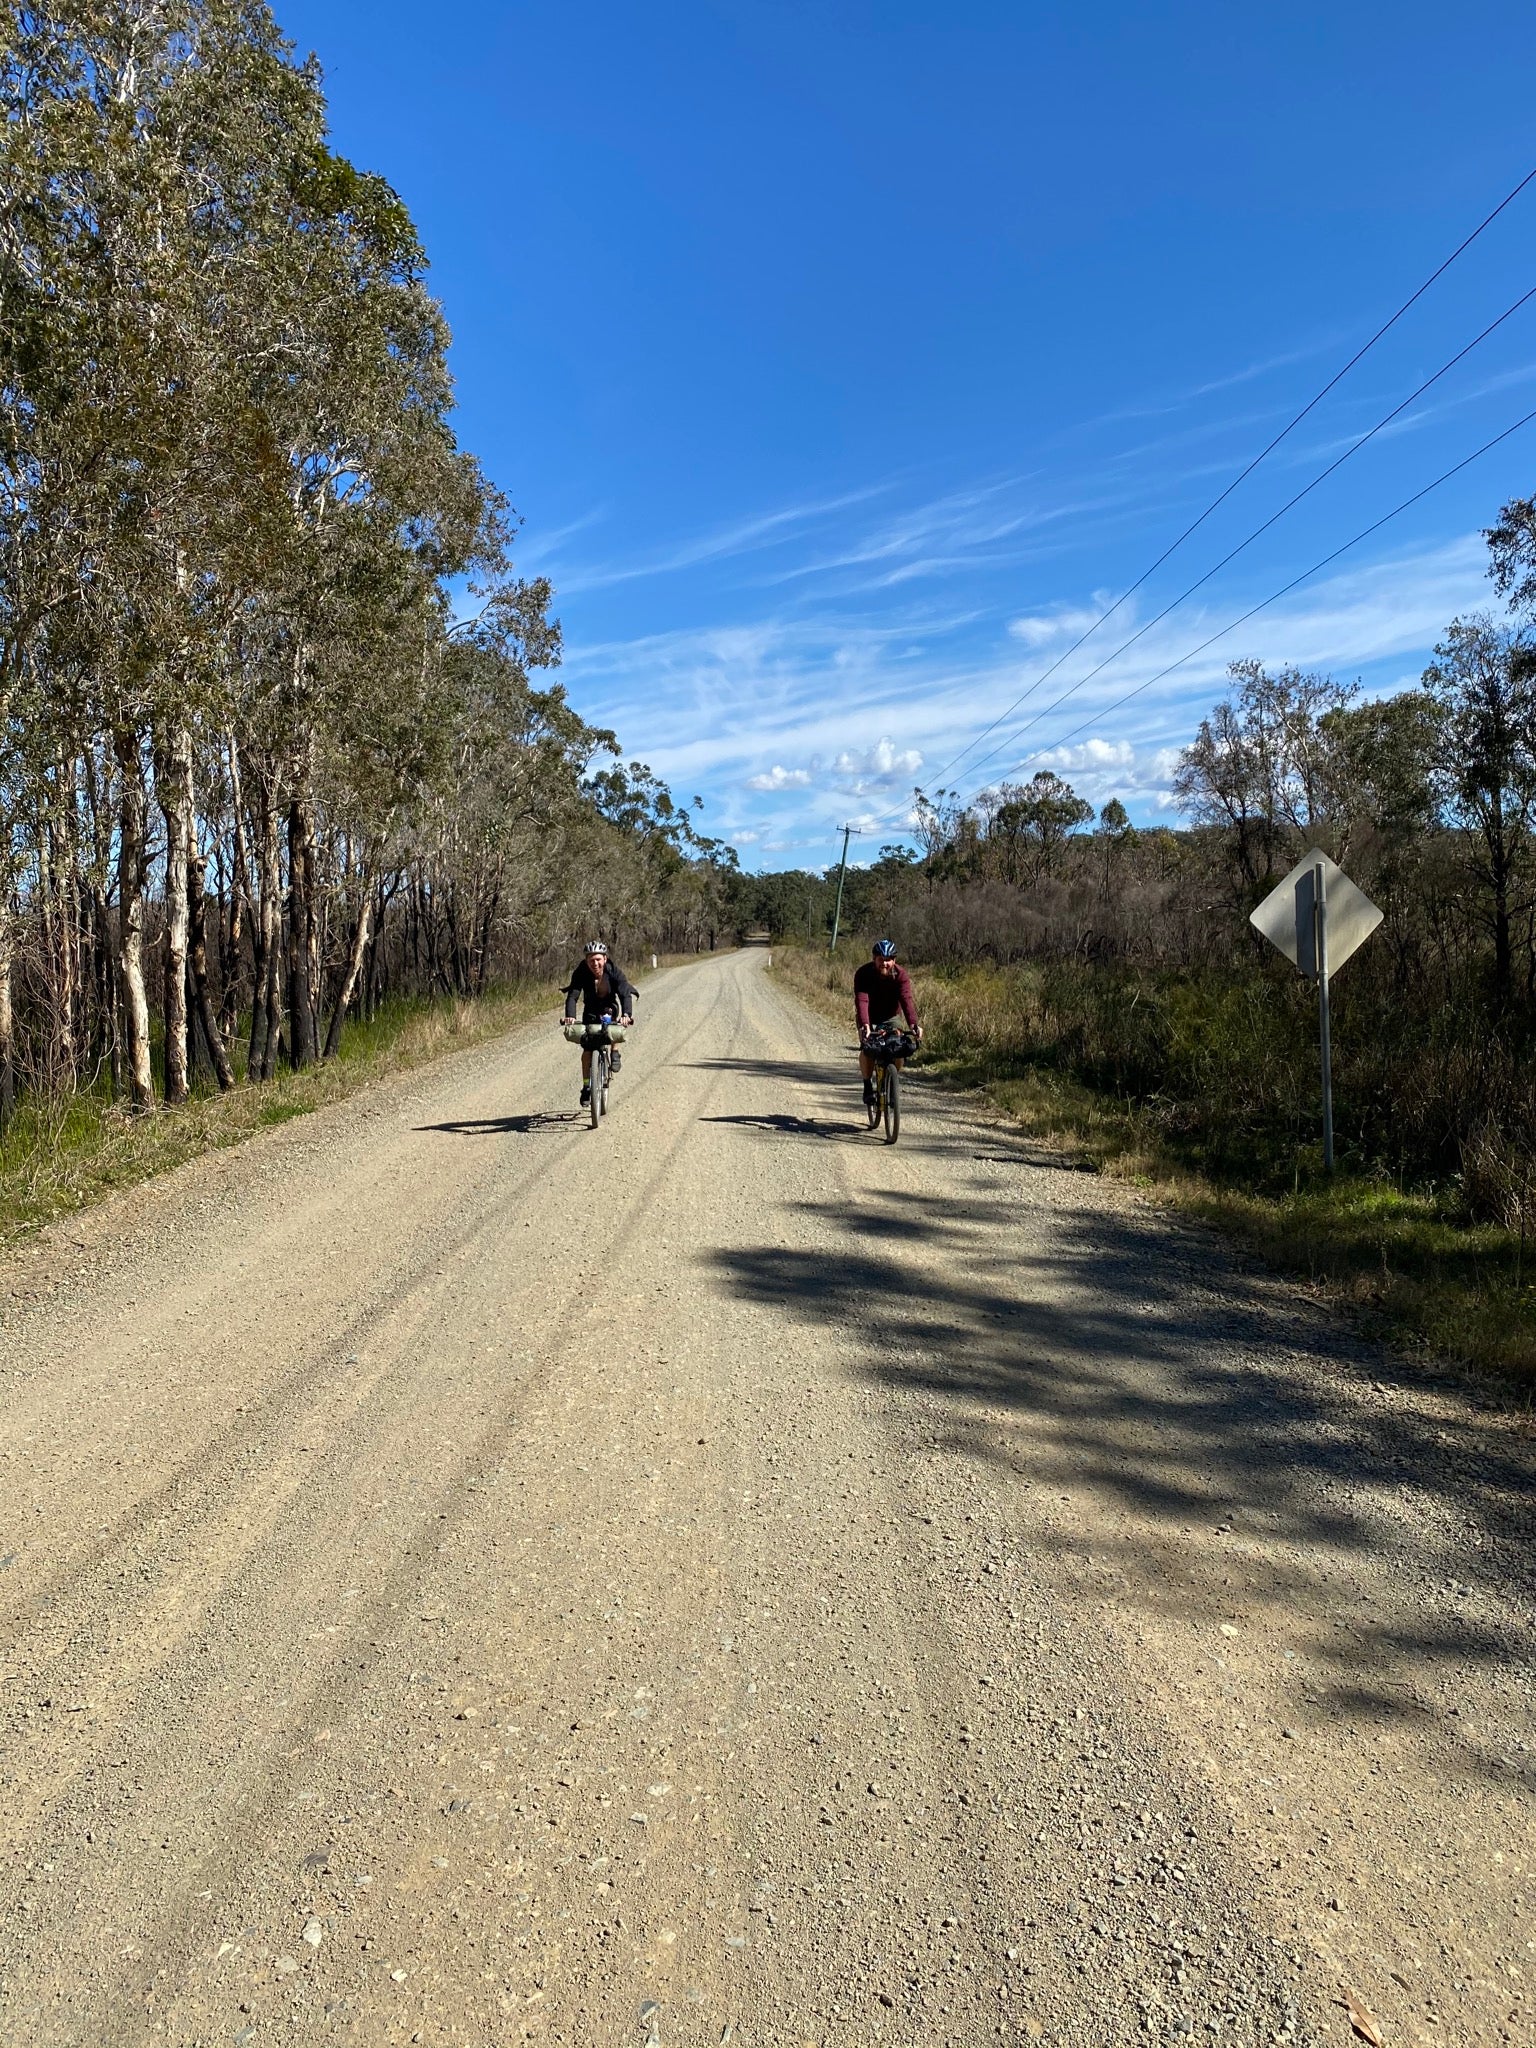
{"x": 253, "y": 774}
{"x": 1147, "y": 978}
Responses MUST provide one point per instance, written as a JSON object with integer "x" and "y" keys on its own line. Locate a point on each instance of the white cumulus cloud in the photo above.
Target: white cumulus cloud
{"x": 1094, "y": 754}
{"x": 779, "y": 778}
{"x": 1099, "y": 769}
{"x": 880, "y": 765}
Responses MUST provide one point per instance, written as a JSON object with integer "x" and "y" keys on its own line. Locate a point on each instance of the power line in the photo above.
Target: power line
{"x": 1284, "y": 590}
{"x": 1243, "y": 475}
{"x": 1233, "y": 553}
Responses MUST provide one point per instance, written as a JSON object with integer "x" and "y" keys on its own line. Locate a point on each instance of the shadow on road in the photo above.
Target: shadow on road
{"x": 836, "y": 1111}
{"x": 527, "y": 1126}
{"x": 800, "y": 1072}
{"x": 786, "y": 1126}
{"x": 1230, "y": 1441}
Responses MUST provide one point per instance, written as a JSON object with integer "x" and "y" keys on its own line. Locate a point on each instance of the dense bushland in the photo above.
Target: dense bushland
{"x": 1123, "y": 958}
{"x": 254, "y": 776}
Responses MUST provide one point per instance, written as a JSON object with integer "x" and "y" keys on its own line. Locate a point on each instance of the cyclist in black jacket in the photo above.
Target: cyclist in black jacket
{"x": 602, "y": 988}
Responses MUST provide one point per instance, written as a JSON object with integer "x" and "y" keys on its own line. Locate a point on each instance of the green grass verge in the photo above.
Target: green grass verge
{"x": 1409, "y": 1262}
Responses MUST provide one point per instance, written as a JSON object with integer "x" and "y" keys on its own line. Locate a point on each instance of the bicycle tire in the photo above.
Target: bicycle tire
{"x": 892, "y": 1105}
{"x": 597, "y": 1086}
{"x": 872, "y": 1109}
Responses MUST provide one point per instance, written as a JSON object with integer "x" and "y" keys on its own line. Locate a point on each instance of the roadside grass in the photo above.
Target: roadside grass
{"x": 1408, "y": 1261}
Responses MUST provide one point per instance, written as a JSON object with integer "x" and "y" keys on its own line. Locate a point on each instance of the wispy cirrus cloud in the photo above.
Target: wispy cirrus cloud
{"x": 543, "y": 548}
{"x": 1249, "y": 373}
{"x": 863, "y": 638}
{"x": 787, "y": 717}
{"x": 738, "y": 537}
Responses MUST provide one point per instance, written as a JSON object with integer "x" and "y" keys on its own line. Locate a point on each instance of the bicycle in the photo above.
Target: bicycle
{"x": 599, "y": 1039}
{"x": 887, "y": 1047}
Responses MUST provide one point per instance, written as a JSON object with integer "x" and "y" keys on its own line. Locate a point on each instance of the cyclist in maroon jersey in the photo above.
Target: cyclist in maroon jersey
{"x": 882, "y": 991}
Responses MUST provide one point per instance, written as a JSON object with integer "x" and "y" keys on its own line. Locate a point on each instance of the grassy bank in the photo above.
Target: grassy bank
{"x": 65, "y": 1151}
{"x": 1408, "y": 1260}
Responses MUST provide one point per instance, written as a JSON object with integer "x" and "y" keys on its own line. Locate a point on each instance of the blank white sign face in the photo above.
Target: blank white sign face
{"x": 1286, "y": 920}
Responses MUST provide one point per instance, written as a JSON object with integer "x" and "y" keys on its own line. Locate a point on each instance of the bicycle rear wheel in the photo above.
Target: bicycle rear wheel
{"x": 892, "y": 1105}
{"x": 872, "y": 1107}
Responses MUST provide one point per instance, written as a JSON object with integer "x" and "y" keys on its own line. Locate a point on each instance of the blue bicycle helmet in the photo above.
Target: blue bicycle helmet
{"x": 885, "y": 949}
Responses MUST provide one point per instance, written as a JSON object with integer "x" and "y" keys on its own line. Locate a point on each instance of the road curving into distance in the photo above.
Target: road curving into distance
{"x": 466, "y": 1579}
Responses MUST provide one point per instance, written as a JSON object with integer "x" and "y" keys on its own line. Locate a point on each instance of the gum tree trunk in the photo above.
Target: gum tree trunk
{"x": 301, "y": 995}
{"x": 266, "y": 1027}
{"x": 7, "y": 1022}
{"x": 239, "y": 886}
{"x": 131, "y": 863}
{"x": 202, "y": 995}
{"x": 355, "y": 954}
{"x": 173, "y": 776}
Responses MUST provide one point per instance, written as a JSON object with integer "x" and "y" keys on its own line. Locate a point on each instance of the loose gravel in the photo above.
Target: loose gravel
{"x": 467, "y": 1579}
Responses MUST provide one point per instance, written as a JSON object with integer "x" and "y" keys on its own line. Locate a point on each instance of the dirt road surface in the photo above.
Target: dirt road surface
{"x": 469, "y": 1580}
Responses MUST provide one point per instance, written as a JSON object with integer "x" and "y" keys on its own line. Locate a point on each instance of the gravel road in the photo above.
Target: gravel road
{"x": 467, "y": 1579}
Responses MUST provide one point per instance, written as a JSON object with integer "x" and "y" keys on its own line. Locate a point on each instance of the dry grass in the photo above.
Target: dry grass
{"x": 1408, "y": 1261}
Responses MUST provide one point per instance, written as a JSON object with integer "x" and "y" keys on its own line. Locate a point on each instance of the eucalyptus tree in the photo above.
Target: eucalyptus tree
{"x": 232, "y": 511}
{"x": 1483, "y": 685}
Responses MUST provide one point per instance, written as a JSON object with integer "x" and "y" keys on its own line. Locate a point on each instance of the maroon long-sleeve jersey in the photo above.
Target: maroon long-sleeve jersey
{"x": 878, "y": 997}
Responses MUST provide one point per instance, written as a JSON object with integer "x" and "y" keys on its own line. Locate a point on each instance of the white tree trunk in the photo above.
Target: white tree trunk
{"x": 354, "y": 964}
{"x": 174, "y": 779}
{"x": 130, "y": 935}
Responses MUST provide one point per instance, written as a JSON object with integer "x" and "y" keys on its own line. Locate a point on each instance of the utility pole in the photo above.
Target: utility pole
{"x": 848, "y": 831}
{"x": 1324, "y": 1020}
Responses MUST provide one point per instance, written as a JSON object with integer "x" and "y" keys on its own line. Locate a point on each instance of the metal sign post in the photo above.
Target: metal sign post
{"x": 1324, "y": 1022}
{"x": 1317, "y": 918}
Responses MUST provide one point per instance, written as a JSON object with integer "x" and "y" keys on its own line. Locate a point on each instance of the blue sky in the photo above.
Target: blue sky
{"x": 844, "y": 358}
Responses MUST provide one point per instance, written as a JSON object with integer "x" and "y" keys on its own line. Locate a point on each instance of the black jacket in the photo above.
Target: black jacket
{"x": 582, "y": 989}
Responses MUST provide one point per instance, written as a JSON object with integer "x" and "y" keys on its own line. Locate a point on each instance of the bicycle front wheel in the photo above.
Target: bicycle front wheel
{"x": 599, "y": 1083}
{"x": 892, "y": 1105}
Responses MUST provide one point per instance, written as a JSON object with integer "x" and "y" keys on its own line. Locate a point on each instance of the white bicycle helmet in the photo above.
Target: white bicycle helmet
{"x": 597, "y": 946}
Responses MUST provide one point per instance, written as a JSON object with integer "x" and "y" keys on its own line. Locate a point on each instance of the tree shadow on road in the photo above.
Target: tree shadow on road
{"x": 1230, "y": 1439}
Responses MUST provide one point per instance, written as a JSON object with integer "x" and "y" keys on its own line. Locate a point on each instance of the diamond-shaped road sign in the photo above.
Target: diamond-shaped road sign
{"x": 1287, "y": 917}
